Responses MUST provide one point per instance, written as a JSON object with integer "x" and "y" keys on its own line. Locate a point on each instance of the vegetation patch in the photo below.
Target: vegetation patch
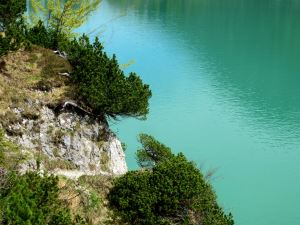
{"x": 52, "y": 164}
{"x": 31, "y": 113}
{"x": 9, "y": 118}
{"x": 104, "y": 160}
{"x": 169, "y": 190}
{"x": 32, "y": 199}
{"x": 10, "y": 154}
{"x": 92, "y": 167}
{"x": 26, "y": 71}
{"x": 87, "y": 198}
{"x": 56, "y": 152}
{"x": 57, "y": 137}
{"x": 95, "y": 208}
{"x": 101, "y": 144}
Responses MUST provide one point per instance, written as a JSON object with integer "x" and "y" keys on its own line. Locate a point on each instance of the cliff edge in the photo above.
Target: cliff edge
{"x": 38, "y": 113}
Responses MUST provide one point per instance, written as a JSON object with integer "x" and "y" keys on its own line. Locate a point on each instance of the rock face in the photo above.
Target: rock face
{"x": 67, "y": 141}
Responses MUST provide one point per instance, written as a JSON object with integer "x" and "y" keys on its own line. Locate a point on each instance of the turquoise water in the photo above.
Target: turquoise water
{"x": 225, "y": 76}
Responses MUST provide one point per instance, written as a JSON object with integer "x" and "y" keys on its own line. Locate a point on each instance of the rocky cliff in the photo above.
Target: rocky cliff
{"x": 64, "y": 142}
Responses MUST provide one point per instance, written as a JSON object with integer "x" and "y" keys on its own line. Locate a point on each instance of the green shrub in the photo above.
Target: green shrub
{"x": 45, "y": 37}
{"x": 12, "y": 26}
{"x": 39, "y": 35}
{"x": 10, "y": 12}
{"x": 101, "y": 84}
{"x": 133, "y": 199}
{"x": 13, "y": 38}
{"x": 173, "y": 191}
{"x": 183, "y": 192}
{"x": 33, "y": 199}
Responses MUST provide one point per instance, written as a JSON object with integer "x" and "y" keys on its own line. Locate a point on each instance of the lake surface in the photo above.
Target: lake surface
{"x": 225, "y": 76}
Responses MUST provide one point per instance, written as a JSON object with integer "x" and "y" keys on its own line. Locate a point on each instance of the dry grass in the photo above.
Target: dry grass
{"x": 104, "y": 160}
{"x": 32, "y": 75}
{"x": 96, "y": 210}
{"x": 50, "y": 164}
{"x": 59, "y": 164}
{"x": 87, "y": 197}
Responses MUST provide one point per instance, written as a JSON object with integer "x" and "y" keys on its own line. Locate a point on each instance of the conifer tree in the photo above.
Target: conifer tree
{"x": 172, "y": 191}
{"x": 62, "y": 16}
{"x": 101, "y": 86}
{"x": 10, "y": 11}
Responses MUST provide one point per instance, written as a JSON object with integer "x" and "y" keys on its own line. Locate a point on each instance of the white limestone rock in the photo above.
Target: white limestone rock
{"x": 82, "y": 141}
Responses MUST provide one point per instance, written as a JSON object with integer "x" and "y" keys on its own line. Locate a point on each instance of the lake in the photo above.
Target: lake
{"x": 225, "y": 76}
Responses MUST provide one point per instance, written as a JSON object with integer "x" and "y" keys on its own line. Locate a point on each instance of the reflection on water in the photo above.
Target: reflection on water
{"x": 225, "y": 78}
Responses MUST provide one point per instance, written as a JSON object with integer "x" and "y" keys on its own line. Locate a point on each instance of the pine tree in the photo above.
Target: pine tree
{"x": 10, "y": 11}
{"x": 170, "y": 190}
{"x": 101, "y": 86}
{"x": 11, "y": 25}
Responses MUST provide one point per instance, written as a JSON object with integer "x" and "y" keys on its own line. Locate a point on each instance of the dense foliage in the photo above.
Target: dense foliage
{"x": 31, "y": 199}
{"x": 61, "y": 19}
{"x": 11, "y": 25}
{"x": 10, "y": 12}
{"x": 132, "y": 199}
{"x": 45, "y": 37}
{"x": 102, "y": 85}
{"x": 173, "y": 192}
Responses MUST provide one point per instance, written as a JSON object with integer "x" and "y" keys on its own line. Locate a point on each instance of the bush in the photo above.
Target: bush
{"x": 39, "y": 35}
{"x": 32, "y": 199}
{"x": 11, "y": 25}
{"x": 184, "y": 194}
{"x": 101, "y": 84}
{"x": 177, "y": 183}
{"x": 173, "y": 192}
{"x": 45, "y": 37}
{"x": 10, "y": 12}
{"x": 13, "y": 38}
{"x": 132, "y": 198}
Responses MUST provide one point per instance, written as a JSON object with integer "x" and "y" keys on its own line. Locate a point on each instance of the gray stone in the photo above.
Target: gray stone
{"x": 71, "y": 137}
